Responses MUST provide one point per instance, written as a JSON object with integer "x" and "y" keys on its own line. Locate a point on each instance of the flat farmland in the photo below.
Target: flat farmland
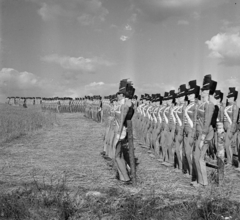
{"x": 56, "y": 172}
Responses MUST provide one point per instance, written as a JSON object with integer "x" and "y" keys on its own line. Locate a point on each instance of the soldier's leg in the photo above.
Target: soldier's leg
{"x": 178, "y": 145}
{"x": 121, "y": 163}
{"x": 188, "y": 148}
{"x": 171, "y": 146}
{"x": 228, "y": 146}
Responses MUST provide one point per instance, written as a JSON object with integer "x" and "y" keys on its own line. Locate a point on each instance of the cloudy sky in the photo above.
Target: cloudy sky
{"x": 83, "y": 47}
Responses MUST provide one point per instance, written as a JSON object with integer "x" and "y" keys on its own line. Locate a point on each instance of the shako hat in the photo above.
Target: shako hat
{"x": 232, "y": 93}
{"x": 193, "y": 88}
{"x": 122, "y": 86}
{"x": 165, "y": 97}
{"x": 171, "y": 94}
{"x": 182, "y": 90}
{"x": 218, "y": 95}
{"x": 209, "y": 84}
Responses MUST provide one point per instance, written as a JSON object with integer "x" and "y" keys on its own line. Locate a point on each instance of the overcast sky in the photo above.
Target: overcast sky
{"x": 85, "y": 47}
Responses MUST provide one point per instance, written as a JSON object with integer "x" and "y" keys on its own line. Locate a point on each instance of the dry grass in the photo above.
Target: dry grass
{"x": 39, "y": 200}
{"x": 47, "y": 176}
{"x": 16, "y": 121}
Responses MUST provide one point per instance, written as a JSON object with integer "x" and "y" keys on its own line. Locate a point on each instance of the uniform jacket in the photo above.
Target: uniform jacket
{"x": 231, "y": 115}
{"x": 204, "y": 116}
{"x": 190, "y": 116}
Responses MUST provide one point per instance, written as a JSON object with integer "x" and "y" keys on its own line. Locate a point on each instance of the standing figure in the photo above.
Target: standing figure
{"x": 162, "y": 139}
{"x": 125, "y": 91}
{"x": 171, "y": 129}
{"x": 179, "y": 113}
{"x": 190, "y": 114}
{"x": 206, "y": 133}
{"x": 230, "y": 122}
{"x": 220, "y": 135}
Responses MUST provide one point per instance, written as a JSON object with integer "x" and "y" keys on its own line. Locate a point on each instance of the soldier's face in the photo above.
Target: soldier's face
{"x": 231, "y": 99}
{"x": 191, "y": 97}
{"x": 181, "y": 99}
{"x": 120, "y": 97}
{"x": 204, "y": 94}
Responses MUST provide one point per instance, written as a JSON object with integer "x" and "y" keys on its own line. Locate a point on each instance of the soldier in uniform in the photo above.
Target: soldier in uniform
{"x": 179, "y": 115}
{"x": 171, "y": 129}
{"x": 161, "y": 140}
{"x": 220, "y": 135}
{"x": 205, "y": 113}
{"x": 230, "y": 122}
{"x": 121, "y": 116}
{"x": 190, "y": 115}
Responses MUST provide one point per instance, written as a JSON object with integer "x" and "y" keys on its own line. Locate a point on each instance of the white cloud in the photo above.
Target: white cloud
{"x": 128, "y": 27}
{"x": 183, "y": 22}
{"x": 124, "y": 38}
{"x": 159, "y": 10}
{"x": 77, "y": 63}
{"x": 50, "y": 12}
{"x": 87, "y": 12}
{"x": 226, "y": 48}
{"x": 152, "y": 88}
{"x": 101, "y": 88}
{"x": 96, "y": 84}
{"x": 14, "y": 83}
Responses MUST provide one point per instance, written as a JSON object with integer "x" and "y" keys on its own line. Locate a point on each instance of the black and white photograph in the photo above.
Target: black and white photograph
{"x": 119, "y": 109}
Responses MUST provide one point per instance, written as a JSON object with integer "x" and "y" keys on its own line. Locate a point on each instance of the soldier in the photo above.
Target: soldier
{"x": 220, "y": 135}
{"x": 155, "y": 121}
{"x": 171, "y": 129}
{"x": 205, "y": 113}
{"x": 25, "y": 103}
{"x": 164, "y": 128}
{"x": 230, "y": 122}
{"x": 190, "y": 115}
{"x": 179, "y": 114}
{"x": 121, "y": 116}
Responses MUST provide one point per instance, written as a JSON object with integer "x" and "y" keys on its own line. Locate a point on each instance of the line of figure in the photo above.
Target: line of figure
{"x": 191, "y": 129}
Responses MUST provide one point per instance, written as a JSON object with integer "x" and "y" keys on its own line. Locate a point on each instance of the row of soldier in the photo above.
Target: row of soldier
{"x": 185, "y": 129}
{"x": 56, "y": 104}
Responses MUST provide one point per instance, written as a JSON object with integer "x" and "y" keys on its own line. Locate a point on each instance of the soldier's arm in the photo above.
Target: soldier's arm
{"x": 208, "y": 113}
{"x": 195, "y": 119}
{"x": 124, "y": 111}
{"x": 234, "y": 119}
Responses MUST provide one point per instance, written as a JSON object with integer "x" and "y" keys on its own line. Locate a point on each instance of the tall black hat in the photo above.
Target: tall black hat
{"x": 182, "y": 90}
{"x": 159, "y": 98}
{"x": 172, "y": 94}
{"x": 153, "y": 97}
{"x": 209, "y": 84}
{"x": 207, "y": 80}
{"x": 165, "y": 97}
{"x": 193, "y": 88}
{"x": 232, "y": 93}
{"x": 123, "y": 86}
{"x": 130, "y": 90}
{"x": 147, "y": 97}
{"x": 218, "y": 95}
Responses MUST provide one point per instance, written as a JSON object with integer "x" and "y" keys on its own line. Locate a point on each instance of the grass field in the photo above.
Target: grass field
{"x": 16, "y": 121}
{"x": 58, "y": 173}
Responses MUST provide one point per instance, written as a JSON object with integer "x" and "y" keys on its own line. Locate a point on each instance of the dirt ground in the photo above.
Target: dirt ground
{"x": 72, "y": 150}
